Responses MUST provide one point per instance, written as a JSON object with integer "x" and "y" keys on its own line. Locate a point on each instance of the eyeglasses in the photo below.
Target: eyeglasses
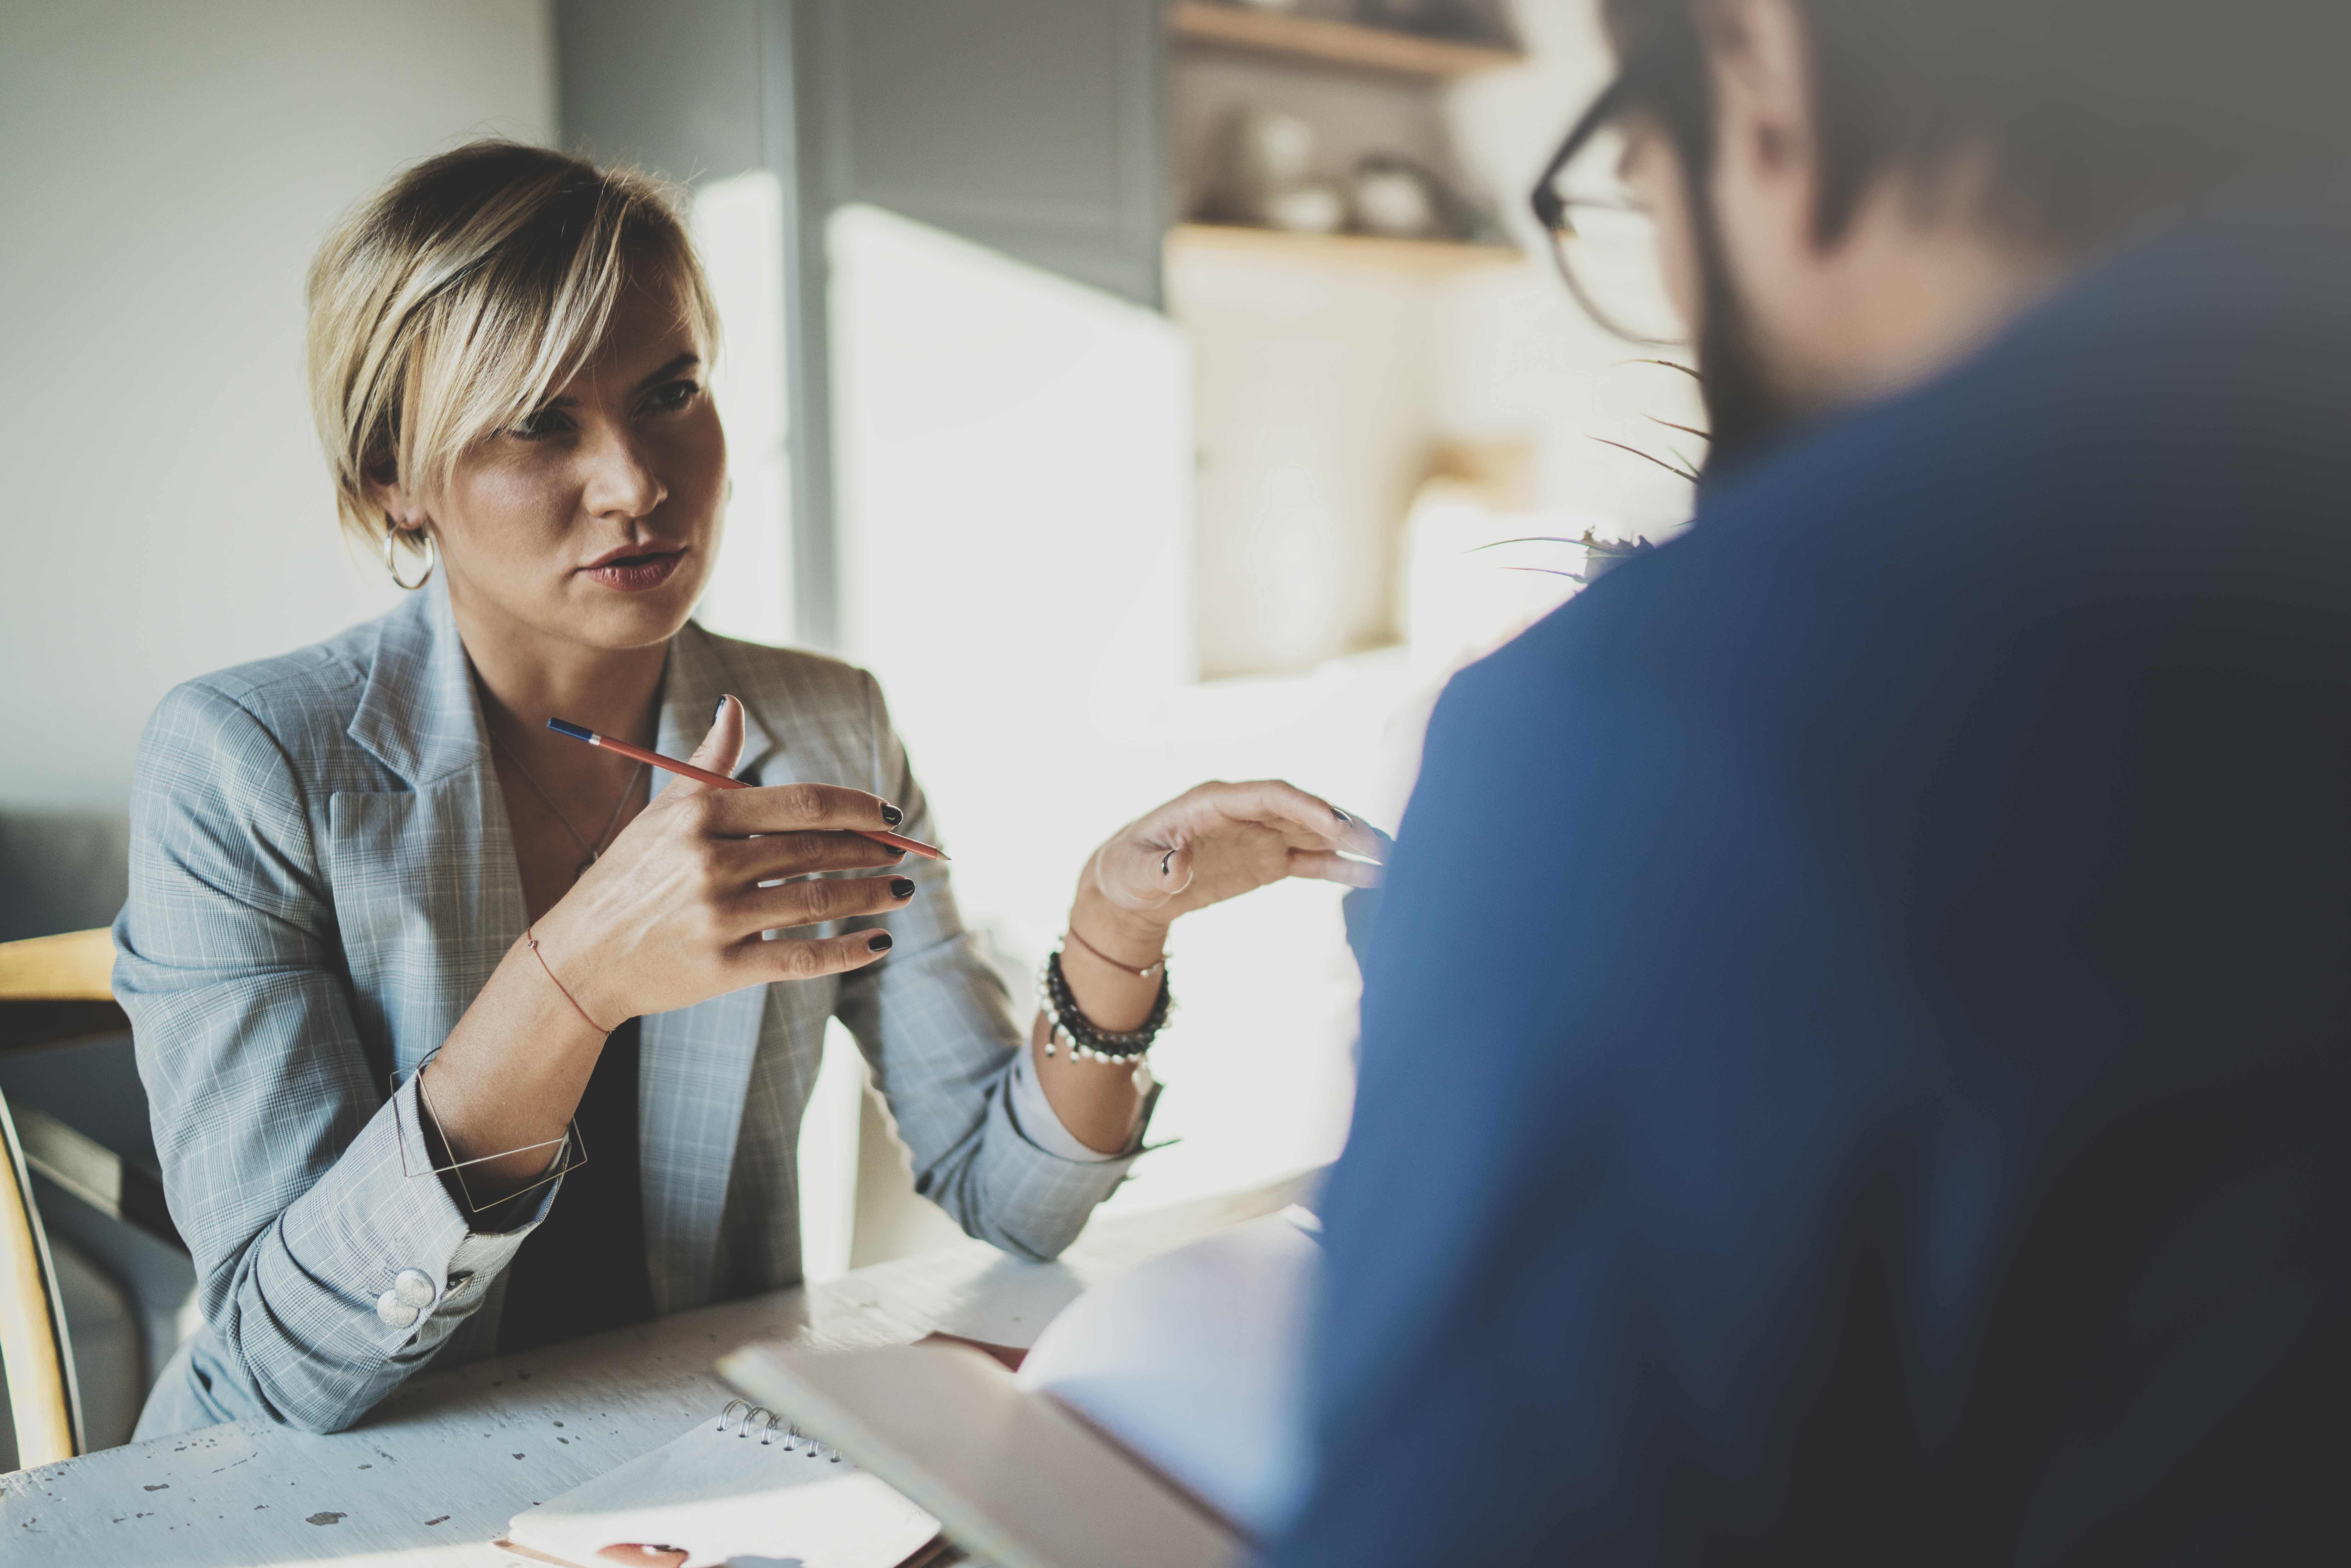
{"x": 1603, "y": 238}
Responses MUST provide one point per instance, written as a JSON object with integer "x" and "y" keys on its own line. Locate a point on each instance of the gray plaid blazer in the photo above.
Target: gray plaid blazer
{"x": 321, "y": 880}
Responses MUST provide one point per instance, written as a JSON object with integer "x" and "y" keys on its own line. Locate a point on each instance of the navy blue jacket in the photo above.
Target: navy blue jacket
{"x": 1855, "y": 1052}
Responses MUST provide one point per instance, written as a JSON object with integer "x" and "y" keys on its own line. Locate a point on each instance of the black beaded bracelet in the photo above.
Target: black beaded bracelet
{"x": 1068, "y": 1027}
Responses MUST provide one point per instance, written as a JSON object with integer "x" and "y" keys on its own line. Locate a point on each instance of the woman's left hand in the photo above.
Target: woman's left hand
{"x": 1218, "y": 841}
{"x": 1212, "y": 842}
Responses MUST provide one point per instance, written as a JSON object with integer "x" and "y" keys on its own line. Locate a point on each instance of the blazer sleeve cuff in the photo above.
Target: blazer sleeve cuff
{"x": 1037, "y": 1200}
{"x": 1039, "y": 1125}
{"x": 384, "y": 1246}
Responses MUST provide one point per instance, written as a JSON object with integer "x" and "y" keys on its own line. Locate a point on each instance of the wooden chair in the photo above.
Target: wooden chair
{"x": 52, "y": 989}
{"x": 55, "y": 988}
{"x": 33, "y": 1344}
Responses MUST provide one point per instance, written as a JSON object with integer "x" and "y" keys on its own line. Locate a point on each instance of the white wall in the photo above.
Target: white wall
{"x": 738, "y": 228}
{"x": 1313, "y": 404}
{"x": 169, "y": 169}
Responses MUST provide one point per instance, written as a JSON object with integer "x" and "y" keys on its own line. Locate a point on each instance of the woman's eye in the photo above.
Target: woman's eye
{"x": 674, "y": 396}
{"x": 539, "y": 421}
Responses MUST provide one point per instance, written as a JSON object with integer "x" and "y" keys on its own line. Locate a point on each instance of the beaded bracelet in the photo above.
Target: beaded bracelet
{"x": 1109, "y": 1042}
{"x": 1068, "y": 1026}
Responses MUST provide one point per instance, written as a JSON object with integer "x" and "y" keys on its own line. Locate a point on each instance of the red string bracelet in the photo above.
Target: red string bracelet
{"x": 1142, "y": 974}
{"x": 531, "y": 940}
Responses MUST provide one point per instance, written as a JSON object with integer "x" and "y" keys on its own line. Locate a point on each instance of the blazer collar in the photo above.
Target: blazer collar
{"x": 418, "y": 716}
{"x": 417, "y": 712}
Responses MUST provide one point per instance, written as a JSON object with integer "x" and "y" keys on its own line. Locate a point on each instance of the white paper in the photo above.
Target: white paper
{"x": 1195, "y": 1362}
{"x": 733, "y": 1496}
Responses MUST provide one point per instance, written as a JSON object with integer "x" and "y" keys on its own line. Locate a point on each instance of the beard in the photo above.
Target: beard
{"x": 1745, "y": 416}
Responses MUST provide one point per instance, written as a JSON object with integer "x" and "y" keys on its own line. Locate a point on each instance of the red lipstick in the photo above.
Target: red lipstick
{"x": 634, "y": 569}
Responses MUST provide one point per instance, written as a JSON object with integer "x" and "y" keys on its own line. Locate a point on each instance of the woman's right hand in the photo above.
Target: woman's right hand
{"x": 671, "y": 915}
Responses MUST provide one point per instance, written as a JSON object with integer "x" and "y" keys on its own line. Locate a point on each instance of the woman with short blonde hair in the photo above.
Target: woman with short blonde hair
{"x": 462, "y": 1037}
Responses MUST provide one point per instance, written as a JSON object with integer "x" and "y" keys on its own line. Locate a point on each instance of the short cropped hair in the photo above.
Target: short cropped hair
{"x": 451, "y": 303}
{"x": 2096, "y": 115}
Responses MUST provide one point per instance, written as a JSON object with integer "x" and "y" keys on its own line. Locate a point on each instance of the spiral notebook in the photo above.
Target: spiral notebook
{"x": 745, "y": 1489}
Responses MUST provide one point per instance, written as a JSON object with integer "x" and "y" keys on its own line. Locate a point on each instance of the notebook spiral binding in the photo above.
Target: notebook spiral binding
{"x": 746, "y": 1420}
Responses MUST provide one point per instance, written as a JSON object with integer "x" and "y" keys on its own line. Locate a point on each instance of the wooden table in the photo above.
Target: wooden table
{"x": 440, "y": 1466}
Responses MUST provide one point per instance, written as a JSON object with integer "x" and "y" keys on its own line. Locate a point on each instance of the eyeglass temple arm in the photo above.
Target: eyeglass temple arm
{"x": 1550, "y": 206}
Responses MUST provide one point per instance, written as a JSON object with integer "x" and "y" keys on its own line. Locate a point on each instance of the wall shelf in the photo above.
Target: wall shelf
{"x": 1346, "y": 253}
{"x": 1334, "y": 43}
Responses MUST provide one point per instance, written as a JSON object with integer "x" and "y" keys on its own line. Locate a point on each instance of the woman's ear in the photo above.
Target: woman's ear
{"x": 1759, "y": 57}
{"x": 401, "y": 510}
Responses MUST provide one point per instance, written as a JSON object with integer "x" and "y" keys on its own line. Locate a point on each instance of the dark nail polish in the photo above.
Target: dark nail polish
{"x": 1341, "y": 815}
{"x": 1163, "y": 860}
{"x": 902, "y": 887}
{"x": 895, "y": 850}
{"x": 721, "y": 712}
{"x": 893, "y": 815}
{"x": 878, "y": 943}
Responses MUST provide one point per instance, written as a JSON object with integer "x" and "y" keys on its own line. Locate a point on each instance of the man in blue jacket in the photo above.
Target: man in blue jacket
{"x": 1855, "y": 1050}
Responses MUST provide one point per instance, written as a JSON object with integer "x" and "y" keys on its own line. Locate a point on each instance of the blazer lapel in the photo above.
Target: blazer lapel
{"x": 694, "y": 1064}
{"x": 426, "y": 886}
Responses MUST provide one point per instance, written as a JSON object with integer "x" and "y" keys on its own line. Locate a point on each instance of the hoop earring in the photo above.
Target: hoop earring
{"x": 432, "y": 559}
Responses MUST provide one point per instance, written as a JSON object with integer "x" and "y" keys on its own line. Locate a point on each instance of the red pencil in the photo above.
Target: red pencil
{"x": 720, "y": 781}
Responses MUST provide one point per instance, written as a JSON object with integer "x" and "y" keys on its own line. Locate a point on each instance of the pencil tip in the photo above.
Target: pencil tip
{"x": 573, "y": 730}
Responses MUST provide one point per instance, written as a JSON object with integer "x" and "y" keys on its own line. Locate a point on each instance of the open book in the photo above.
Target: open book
{"x": 743, "y": 1489}
{"x": 1158, "y": 1422}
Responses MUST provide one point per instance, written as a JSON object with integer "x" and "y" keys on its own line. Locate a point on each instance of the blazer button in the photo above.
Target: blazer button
{"x": 395, "y": 1313}
{"x": 414, "y": 1288}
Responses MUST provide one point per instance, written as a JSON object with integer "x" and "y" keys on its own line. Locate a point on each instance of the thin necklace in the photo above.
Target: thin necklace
{"x": 590, "y": 850}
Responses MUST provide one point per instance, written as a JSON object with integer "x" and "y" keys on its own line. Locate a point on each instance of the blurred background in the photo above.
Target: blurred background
{"x": 1130, "y": 385}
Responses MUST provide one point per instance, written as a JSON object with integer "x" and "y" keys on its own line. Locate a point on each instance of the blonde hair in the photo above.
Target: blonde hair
{"x": 455, "y": 301}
